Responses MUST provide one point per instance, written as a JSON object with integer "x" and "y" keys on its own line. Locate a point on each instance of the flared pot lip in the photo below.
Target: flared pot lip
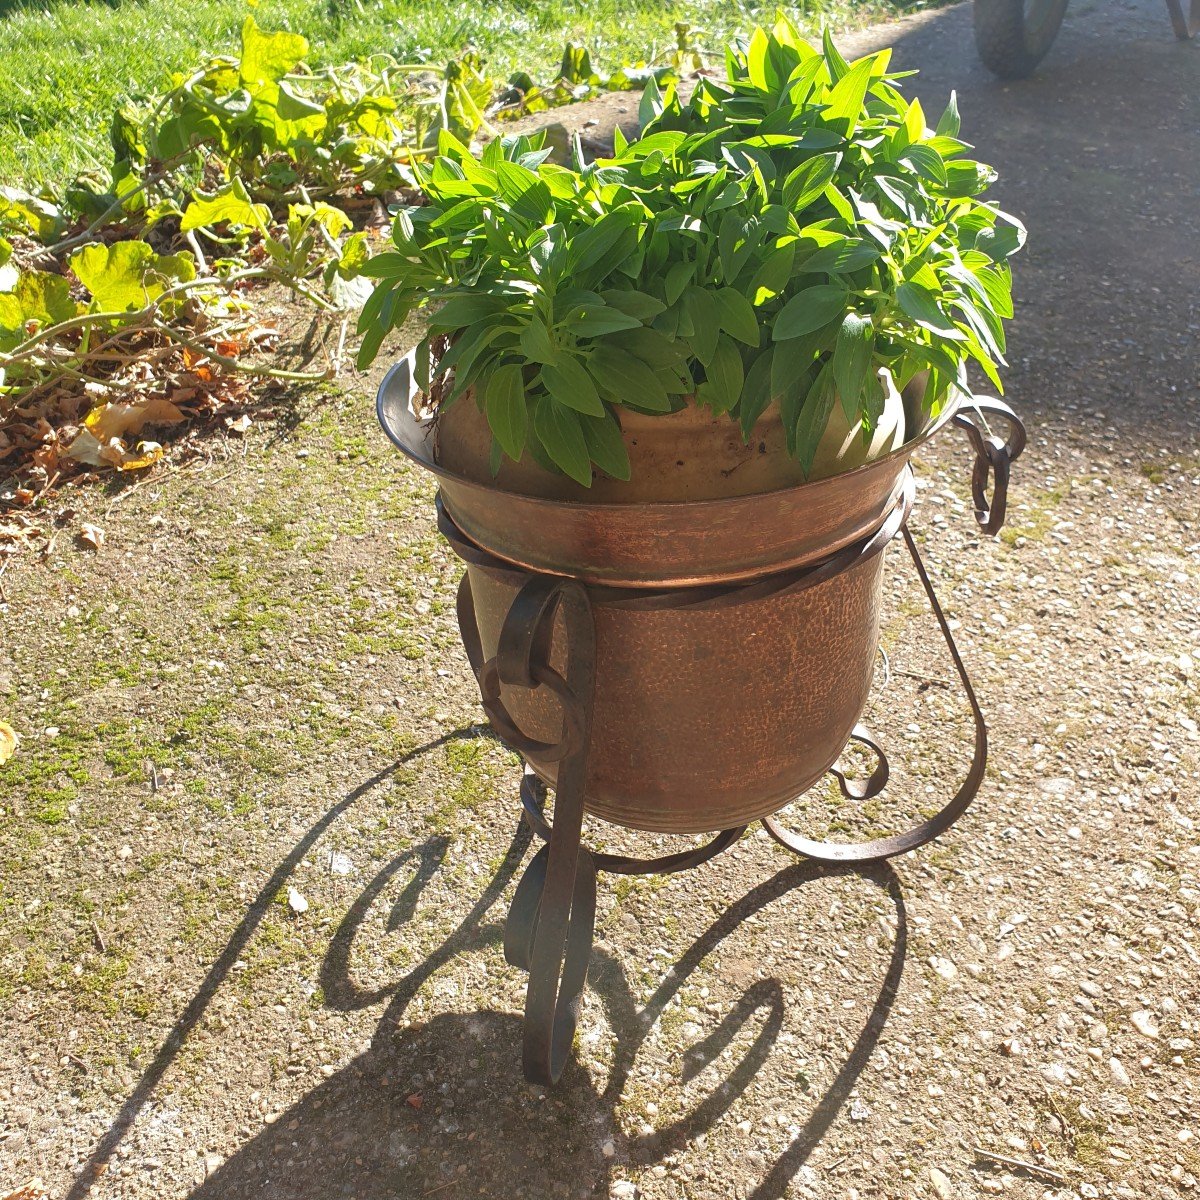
{"x": 410, "y": 434}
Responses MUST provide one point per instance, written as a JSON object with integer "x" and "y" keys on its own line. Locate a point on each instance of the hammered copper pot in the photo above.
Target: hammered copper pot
{"x": 707, "y": 715}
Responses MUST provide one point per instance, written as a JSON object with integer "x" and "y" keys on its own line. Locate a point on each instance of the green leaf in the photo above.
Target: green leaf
{"x": 651, "y": 105}
{"x": 598, "y": 319}
{"x": 356, "y": 253}
{"x": 625, "y": 378}
{"x": 561, "y": 435}
{"x": 652, "y": 347}
{"x": 737, "y": 316}
{"x": 527, "y": 196}
{"x": 723, "y": 388}
{"x": 570, "y": 384}
{"x": 914, "y": 121}
{"x": 39, "y": 299}
{"x": 926, "y": 161}
{"x": 633, "y": 303}
{"x": 756, "y": 392}
{"x": 922, "y": 306}
{"x": 701, "y": 308}
{"x": 536, "y": 343}
{"x": 851, "y": 360}
{"x": 845, "y": 102}
{"x": 949, "y": 125}
{"x": 677, "y": 279}
{"x": 840, "y": 258}
{"x": 39, "y": 216}
{"x": 814, "y": 417}
{"x": 294, "y": 107}
{"x": 999, "y": 290}
{"x": 808, "y": 181}
{"x": 126, "y": 276}
{"x": 757, "y": 65}
{"x": 772, "y": 277}
{"x": 268, "y": 57}
{"x": 8, "y": 271}
{"x": 808, "y": 310}
{"x": 507, "y": 413}
{"x": 230, "y": 204}
{"x": 606, "y": 445}
{"x": 460, "y": 311}
{"x": 591, "y": 245}
{"x": 836, "y": 63}
{"x": 793, "y": 359}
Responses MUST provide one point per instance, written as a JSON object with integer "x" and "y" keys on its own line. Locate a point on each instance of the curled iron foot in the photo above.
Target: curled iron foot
{"x": 866, "y": 789}
{"x": 925, "y": 831}
{"x": 557, "y": 975}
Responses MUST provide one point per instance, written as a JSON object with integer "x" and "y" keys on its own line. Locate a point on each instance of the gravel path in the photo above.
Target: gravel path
{"x": 257, "y": 846}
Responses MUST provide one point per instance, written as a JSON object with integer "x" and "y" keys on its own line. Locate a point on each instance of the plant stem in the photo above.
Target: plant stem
{"x": 233, "y": 364}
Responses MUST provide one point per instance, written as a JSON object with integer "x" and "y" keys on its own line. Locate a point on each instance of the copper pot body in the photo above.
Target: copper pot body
{"x": 708, "y": 718}
{"x": 705, "y": 718}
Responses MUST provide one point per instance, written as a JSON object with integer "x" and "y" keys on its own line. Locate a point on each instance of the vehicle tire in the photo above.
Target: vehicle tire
{"x": 1013, "y": 35}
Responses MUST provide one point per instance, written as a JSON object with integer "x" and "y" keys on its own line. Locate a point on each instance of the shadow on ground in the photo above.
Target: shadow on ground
{"x": 443, "y": 1102}
{"x": 219, "y": 972}
{"x": 440, "y": 1103}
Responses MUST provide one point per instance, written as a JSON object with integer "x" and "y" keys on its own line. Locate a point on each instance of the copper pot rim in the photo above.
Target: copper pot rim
{"x": 391, "y": 412}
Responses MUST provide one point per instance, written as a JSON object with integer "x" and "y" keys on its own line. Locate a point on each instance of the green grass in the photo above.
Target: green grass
{"x": 64, "y": 65}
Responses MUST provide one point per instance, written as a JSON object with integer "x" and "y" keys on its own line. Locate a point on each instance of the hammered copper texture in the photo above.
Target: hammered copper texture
{"x": 708, "y": 718}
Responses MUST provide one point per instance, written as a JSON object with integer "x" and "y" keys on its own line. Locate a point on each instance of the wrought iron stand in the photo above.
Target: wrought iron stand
{"x": 552, "y": 918}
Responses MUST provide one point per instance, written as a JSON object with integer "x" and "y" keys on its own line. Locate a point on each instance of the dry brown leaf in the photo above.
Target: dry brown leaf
{"x": 238, "y": 424}
{"x": 91, "y": 535}
{"x": 117, "y": 454}
{"x": 146, "y": 455}
{"x": 35, "y": 1189}
{"x": 100, "y": 443}
{"x": 229, "y": 349}
{"x": 120, "y": 420}
{"x": 8, "y": 742}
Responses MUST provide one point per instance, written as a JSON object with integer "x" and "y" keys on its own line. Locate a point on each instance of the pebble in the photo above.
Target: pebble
{"x": 623, "y": 1190}
{"x": 1119, "y": 1075}
{"x": 859, "y": 1111}
{"x": 944, "y": 967}
{"x": 1088, "y": 988}
{"x": 1143, "y": 1022}
{"x": 941, "y": 1184}
{"x": 296, "y": 902}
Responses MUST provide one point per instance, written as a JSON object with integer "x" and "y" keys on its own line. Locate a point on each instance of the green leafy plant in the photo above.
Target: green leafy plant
{"x": 128, "y": 300}
{"x": 790, "y": 230}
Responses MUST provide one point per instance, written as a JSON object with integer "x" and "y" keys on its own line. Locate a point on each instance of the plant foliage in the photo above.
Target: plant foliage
{"x": 780, "y": 237}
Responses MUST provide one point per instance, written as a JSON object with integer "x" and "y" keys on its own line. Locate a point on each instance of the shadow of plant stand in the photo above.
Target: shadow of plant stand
{"x": 551, "y": 921}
